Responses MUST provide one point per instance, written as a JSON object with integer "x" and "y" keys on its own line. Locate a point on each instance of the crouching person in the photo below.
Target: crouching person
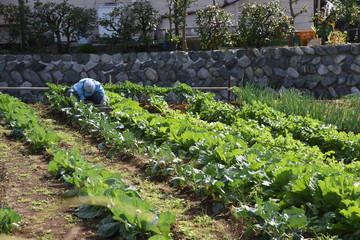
{"x": 88, "y": 89}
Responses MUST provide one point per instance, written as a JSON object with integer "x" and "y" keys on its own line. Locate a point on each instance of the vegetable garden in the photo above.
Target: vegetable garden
{"x": 288, "y": 176}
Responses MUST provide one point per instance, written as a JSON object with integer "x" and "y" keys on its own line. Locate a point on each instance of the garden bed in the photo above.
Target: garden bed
{"x": 56, "y": 220}
{"x": 221, "y": 162}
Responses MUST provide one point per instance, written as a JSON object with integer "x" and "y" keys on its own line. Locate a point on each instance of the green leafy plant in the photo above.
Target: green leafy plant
{"x": 41, "y": 138}
{"x": 348, "y": 12}
{"x": 8, "y": 218}
{"x": 259, "y": 23}
{"x": 26, "y": 124}
{"x": 337, "y": 37}
{"x": 214, "y": 27}
{"x": 275, "y": 223}
{"x": 342, "y": 112}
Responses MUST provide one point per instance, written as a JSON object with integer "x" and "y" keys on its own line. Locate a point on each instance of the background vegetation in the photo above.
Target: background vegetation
{"x": 135, "y": 24}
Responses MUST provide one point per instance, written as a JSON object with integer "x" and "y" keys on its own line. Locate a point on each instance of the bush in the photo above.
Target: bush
{"x": 260, "y": 23}
{"x": 86, "y": 48}
{"x": 214, "y": 24}
{"x": 337, "y": 37}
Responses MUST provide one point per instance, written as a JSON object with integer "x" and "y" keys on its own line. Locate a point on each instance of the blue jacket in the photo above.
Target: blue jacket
{"x": 79, "y": 88}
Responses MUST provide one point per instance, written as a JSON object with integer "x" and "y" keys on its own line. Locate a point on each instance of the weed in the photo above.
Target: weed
{"x": 45, "y": 191}
{"x": 343, "y": 112}
{"x": 38, "y": 205}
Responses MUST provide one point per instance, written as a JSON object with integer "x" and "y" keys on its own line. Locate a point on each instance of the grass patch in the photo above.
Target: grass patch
{"x": 45, "y": 191}
{"x": 343, "y": 112}
{"x": 38, "y": 205}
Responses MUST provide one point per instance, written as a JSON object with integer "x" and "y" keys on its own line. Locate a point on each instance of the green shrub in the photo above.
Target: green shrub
{"x": 259, "y": 24}
{"x": 86, "y": 48}
{"x": 8, "y": 217}
{"x": 214, "y": 25}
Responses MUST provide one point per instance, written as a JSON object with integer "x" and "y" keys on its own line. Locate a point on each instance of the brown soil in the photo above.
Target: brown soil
{"x": 178, "y": 106}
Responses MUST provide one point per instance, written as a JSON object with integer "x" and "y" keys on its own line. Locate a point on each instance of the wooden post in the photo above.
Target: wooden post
{"x": 229, "y": 90}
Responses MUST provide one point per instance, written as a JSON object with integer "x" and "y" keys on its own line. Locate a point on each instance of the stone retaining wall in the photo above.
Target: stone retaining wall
{"x": 329, "y": 71}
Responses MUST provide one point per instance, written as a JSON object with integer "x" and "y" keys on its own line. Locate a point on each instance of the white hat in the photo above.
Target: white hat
{"x": 89, "y": 86}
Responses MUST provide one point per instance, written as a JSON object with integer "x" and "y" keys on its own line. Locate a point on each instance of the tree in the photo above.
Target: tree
{"x": 39, "y": 34}
{"x": 22, "y": 22}
{"x": 214, "y": 27}
{"x": 348, "y": 12}
{"x": 31, "y": 26}
{"x": 16, "y": 17}
{"x": 147, "y": 19}
{"x": 293, "y": 15}
{"x": 184, "y": 5}
{"x": 326, "y": 17}
{"x": 173, "y": 16}
{"x": 121, "y": 22}
{"x": 260, "y": 23}
{"x": 75, "y": 27}
{"x": 64, "y": 19}
{"x": 179, "y": 14}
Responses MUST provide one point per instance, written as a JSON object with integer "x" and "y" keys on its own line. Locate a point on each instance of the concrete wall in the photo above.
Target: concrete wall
{"x": 329, "y": 71}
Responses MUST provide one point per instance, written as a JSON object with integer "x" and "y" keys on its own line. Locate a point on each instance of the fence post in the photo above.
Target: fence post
{"x": 229, "y": 90}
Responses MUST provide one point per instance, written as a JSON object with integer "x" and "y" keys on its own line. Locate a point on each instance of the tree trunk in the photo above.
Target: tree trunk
{"x": 292, "y": 14}
{"x": 68, "y": 42}
{"x": 184, "y": 43}
{"x": 176, "y": 21}
{"x": 291, "y": 36}
{"x": 346, "y": 28}
{"x": 22, "y": 24}
{"x": 58, "y": 40}
{"x": 323, "y": 32}
{"x": 146, "y": 40}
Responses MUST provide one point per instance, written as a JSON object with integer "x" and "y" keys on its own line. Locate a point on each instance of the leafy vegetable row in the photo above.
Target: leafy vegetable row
{"x": 180, "y": 91}
{"x": 344, "y": 146}
{"x": 25, "y": 123}
{"x": 102, "y": 191}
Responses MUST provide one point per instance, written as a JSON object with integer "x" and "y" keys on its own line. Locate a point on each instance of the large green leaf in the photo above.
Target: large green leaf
{"x": 295, "y": 217}
{"x": 158, "y": 237}
{"x": 88, "y": 211}
{"x": 108, "y": 227}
